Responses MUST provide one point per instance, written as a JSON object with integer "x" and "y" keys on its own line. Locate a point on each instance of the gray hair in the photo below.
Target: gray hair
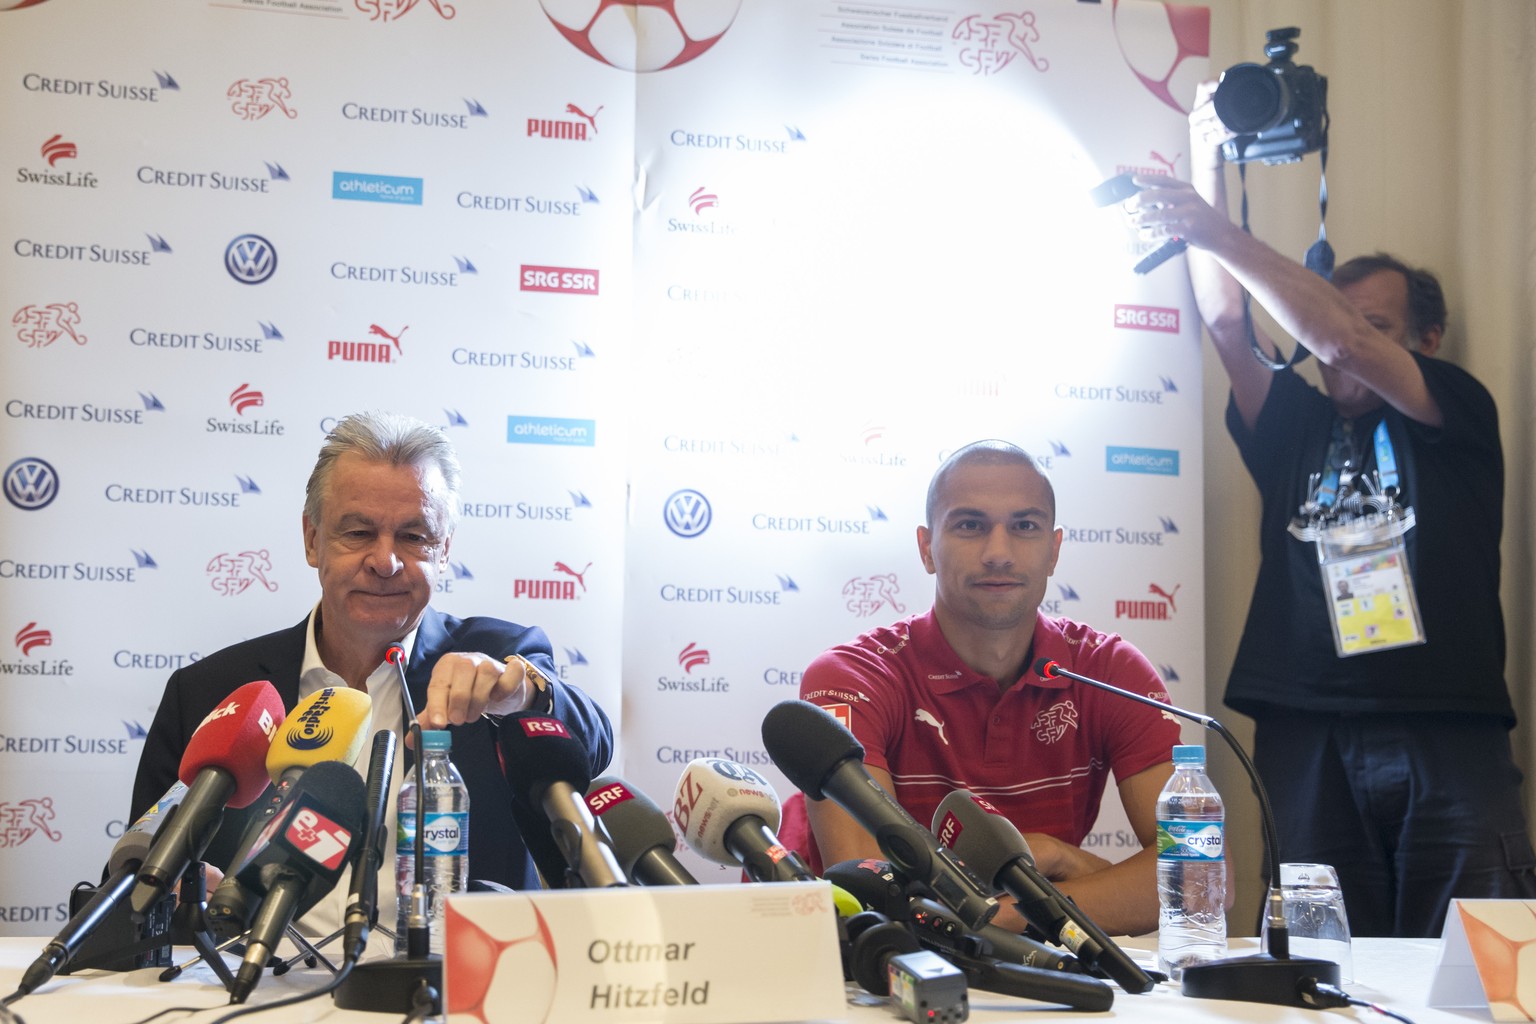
{"x": 989, "y": 452}
{"x": 385, "y": 437}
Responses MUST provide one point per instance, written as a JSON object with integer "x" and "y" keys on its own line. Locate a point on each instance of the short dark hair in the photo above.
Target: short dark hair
{"x": 1426, "y": 300}
{"x": 988, "y": 452}
{"x": 386, "y": 437}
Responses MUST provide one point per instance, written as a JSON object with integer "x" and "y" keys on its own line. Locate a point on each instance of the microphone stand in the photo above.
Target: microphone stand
{"x": 414, "y": 982}
{"x": 1271, "y": 976}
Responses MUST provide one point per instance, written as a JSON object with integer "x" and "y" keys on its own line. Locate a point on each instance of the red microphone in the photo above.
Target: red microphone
{"x": 225, "y": 764}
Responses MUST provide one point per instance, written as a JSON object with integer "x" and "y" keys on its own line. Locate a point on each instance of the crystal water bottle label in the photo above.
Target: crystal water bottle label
{"x": 446, "y": 835}
{"x": 1190, "y": 840}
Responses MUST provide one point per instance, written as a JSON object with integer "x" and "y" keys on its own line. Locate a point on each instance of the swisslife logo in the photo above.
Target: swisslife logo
{"x": 558, "y": 280}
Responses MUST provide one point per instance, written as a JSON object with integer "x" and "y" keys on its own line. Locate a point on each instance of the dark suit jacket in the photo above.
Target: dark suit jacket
{"x": 496, "y": 849}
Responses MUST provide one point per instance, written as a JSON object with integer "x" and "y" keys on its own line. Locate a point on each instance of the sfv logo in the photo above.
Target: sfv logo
{"x": 250, "y": 259}
{"x": 41, "y": 326}
{"x": 255, "y": 100}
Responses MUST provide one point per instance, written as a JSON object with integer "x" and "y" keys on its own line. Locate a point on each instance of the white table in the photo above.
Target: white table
{"x": 1393, "y": 972}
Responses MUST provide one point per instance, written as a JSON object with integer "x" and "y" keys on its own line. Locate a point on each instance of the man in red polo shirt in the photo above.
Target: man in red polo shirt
{"x": 949, "y": 700}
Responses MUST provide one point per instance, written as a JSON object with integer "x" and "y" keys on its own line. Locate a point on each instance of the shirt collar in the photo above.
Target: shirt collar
{"x": 947, "y": 673}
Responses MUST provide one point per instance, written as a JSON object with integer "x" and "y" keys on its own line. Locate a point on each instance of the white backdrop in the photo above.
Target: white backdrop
{"x": 766, "y": 289}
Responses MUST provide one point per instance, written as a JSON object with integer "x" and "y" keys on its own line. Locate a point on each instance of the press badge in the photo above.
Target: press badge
{"x": 1358, "y": 526}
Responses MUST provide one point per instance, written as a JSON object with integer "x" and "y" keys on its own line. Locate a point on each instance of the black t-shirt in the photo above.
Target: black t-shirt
{"x": 1453, "y": 476}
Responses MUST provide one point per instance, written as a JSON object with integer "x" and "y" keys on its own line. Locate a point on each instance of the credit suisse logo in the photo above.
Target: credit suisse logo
{"x": 41, "y": 326}
{"x": 101, "y": 88}
{"x": 253, "y": 99}
{"x": 1121, "y": 535}
{"x": 76, "y": 572}
{"x": 1119, "y": 394}
{"x": 367, "y": 273}
{"x": 86, "y": 412}
{"x": 744, "y": 596}
{"x": 415, "y": 117}
{"x": 527, "y": 511}
{"x": 560, "y": 280}
{"x": 248, "y": 343}
{"x": 576, "y": 126}
{"x": 213, "y": 180}
{"x": 92, "y": 252}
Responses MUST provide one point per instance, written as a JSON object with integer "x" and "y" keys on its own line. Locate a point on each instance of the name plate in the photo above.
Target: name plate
{"x": 711, "y": 954}
{"x": 1485, "y": 959}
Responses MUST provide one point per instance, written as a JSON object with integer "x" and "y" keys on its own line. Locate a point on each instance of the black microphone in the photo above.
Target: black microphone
{"x": 122, "y": 870}
{"x": 727, "y": 813}
{"x": 823, "y": 760}
{"x": 993, "y": 846}
{"x": 879, "y": 886}
{"x": 549, "y": 765}
{"x": 1120, "y": 188}
{"x": 363, "y": 896}
{"x": 298, "y": 859}
{"x": 643, "y": 840}
{"x": 1270, "y": 977}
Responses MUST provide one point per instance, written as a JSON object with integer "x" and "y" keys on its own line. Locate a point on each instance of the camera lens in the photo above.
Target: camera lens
{"x": 1250, "y": 99}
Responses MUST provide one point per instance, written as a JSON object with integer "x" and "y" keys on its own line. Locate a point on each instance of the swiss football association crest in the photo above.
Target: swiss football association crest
{"x": 41, "y": 326}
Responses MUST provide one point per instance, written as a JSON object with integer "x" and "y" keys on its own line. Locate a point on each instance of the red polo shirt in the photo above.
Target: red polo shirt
{"x": 1041, "y": 751}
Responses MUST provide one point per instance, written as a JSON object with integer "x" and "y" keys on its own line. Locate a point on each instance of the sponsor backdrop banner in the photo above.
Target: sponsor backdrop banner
{"x": 703, "y": 292}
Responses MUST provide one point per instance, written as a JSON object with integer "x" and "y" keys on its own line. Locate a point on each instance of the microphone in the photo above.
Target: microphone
{"x": 328, "y": 725}
{"x": 1120, "y": 188}
{"x": 363, "y": 896}
{"x": 122, "y": 871}
{"x": 298, "y": 858}
{"x": 992, "y": 845}
{"x": 823, "y": 760}
{"x": 727, "y": 813}
{"x": 642, "y": 837}
{"x": 880, "y": 887}
{"x": 1269, "y": 977}
{"x": 223, "y": 764}
{"x": 551, "y": 767}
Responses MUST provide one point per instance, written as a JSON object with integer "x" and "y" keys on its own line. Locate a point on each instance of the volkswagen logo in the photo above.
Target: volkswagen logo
{"x": 250, "y": 259}
{"x": 30, "y": 484}
{"x": 687, "y": 513}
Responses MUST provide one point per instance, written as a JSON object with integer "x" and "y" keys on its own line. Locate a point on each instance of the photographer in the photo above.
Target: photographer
{"x": 1381, "y": 718}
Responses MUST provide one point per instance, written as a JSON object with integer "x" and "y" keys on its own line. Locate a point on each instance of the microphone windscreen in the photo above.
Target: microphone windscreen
{"x": 315, "y": 829}
{"x": 980, "y": 836}
{"x": 136, "y": 840}
{"x": 634, "y": 822}
{"x": 540, "y": 751}
{"x": 235, "y": 737}
{"x": 328, "y": 725}
{"x": 806, "y": 743}
{"x": 1045, "y": 668}
{"x": 713, "y": 794}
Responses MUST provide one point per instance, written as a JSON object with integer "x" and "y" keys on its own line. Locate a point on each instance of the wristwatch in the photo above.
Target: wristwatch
{"x": 543, "y": 701}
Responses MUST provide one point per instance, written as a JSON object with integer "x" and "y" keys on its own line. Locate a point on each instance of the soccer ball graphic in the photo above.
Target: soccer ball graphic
{"x": 499, "y": 960}
{"x": 1160, "y": 42}
{"x": 642, "y": 35}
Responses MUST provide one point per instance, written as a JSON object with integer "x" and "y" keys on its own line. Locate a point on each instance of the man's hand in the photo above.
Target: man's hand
{"x": 466, "y": 685}
{"x": 1060, "y": 861}
{"x": 1206, "y": 132}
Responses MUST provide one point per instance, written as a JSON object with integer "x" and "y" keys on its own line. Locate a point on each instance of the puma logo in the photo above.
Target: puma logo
{"x": 926, "y": 716}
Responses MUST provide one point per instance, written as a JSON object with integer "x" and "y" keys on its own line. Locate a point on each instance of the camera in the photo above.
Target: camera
{"x": 1278, "y": 111}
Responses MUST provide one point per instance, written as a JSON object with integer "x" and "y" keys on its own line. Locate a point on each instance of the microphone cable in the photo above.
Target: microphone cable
{"x": 1322, "y": 996}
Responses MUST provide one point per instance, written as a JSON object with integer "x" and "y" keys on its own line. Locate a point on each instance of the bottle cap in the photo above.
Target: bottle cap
{"x": 1190, "y": 754}
{"x": 442, "y": 739}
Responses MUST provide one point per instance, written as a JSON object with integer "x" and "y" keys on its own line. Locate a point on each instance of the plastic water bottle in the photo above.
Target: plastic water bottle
{"x": 1191, "y": 868}
{"x": 446, "y": 824}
